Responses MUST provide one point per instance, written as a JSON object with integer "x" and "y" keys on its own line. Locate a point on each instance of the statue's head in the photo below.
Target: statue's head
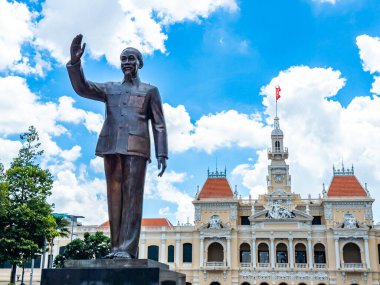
{"x": 131, "y": 61}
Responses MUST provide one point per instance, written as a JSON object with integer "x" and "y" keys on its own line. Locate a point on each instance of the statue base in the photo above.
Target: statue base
{"x": 112, "y": 272}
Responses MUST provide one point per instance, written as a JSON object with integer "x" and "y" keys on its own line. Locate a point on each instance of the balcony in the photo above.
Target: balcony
{"x": 301, "y": 265}
{"x": 215, "y": 265}
{"x": 353, "y": 266}
{"x": 245, "y": 265}
{"x": 320, "y": 266}
{"x": 264, "y": 265}
{"x": 282, "y": 265}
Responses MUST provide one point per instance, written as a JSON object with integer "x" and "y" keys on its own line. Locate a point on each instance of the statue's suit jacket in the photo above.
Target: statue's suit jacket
{"x": 128, "y": 110}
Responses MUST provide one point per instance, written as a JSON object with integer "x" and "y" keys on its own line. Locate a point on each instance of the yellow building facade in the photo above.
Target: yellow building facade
{"x": 277, "y": 239}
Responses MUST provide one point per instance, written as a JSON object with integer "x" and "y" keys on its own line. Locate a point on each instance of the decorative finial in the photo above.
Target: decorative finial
{"x": 236, "y": 192}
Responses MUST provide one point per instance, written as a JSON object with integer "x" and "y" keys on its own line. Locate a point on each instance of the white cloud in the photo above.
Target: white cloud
{"x": 16, "y": 28}
{"x": 9, "y": 150}
{"x": 253, "y": 175}
{"x": 376, "y": 85}
{"x": 179, "y": 128}
{"x": 165, "y": 212}
{"x": 21, "y": 108}
{"x": 164, "y": 188}
{"x": 213, "y": 131}
{"x": 71, "y": 154}
{"x": 369, "y": 51}
{"x": 80, "y": 197}
{"x": 97, "y": 164}
{"x": 129, "y": 23}
{"x": 228, "y": 128}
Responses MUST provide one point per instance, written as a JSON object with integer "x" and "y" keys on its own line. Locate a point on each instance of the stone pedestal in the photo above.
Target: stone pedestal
{"x": 112, "y": 272}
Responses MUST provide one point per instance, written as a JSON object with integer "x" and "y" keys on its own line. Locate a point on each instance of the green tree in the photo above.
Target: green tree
{"x": 27, "y": 217}
{"x": 91, "y": 247}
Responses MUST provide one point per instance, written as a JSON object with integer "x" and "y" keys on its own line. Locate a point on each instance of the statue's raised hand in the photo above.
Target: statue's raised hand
{"x": 76, "y": 49}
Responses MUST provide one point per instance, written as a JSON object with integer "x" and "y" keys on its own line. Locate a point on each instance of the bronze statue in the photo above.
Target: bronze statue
{"x": 124, "y": 142}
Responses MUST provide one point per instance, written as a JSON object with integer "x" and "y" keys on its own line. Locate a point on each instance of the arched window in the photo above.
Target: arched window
{"x": 281, "y": 253}
{"x": 283, "y": 283}
{"x": 351, "y": 253}
{"x": 215, "y": 283}
{"x": 264, "y": 283}
{"x": 300, "y": 252}
{"x": 277, "y": 146}
{"x": 319, "y": 253}
{"x": 188, "y": 283}
{"x": 263, "y": 253}
{"x": 187, "y": 252}
{"x": 215, "y": 252}
{"x": 245, "y": 283}
{"x": 153, "y": 252}
{"x": 245, "y": 253}
{"x": 171, "y": 253}
{"x": 302, "y": 284}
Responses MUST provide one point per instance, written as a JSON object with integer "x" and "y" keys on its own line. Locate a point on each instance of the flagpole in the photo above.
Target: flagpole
{"x": 276, "y": 106}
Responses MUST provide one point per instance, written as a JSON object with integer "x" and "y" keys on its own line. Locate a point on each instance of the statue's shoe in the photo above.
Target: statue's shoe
{"x": 122, "y": 255}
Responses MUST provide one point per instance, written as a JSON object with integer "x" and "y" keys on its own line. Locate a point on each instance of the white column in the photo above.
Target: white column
{"x": 337, "y": 257}
{"x": 272, "y": 252}
{"x": 177, "y": 249}
{"x": 142, "y": 249}
{"x": 228, "y": 251}
{"x": 310, "y": 252}
{"x": 291, "y": 252}
{"x": 366, "y": 251}
{"x": 202, "y": 249}
{"x": 163, "y": 251}
{"x": 253, "y": 252}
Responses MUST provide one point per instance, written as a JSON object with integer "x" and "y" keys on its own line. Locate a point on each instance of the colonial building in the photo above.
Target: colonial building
{"x": 277, "y": 239}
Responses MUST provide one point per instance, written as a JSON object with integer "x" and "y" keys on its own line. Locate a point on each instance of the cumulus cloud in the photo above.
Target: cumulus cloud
{"x": 26, "y": 108}
{"x": 129, "y": 23}
{"x": 16, "y": 28}
{"x": 85, "y": 197}
{"x": 369, "y": 51}
{"x": 213, "y": 131}
{"x": 97, "y": 164}
{"x": 164, "y": 188}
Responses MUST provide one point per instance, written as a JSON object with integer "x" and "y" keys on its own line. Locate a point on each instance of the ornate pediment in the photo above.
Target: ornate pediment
{"x": 282, "y": 216}
{"x": 350, "y": 223}
{"x": 215, "y": 227}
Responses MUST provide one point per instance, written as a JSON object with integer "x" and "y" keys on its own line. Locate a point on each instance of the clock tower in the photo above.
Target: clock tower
{"x": 278, "y": 171}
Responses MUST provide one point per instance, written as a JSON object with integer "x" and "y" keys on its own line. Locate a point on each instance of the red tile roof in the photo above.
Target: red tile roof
{"x": 105, "y": 225}
{"x": 149, "y": 222}
{"x": 216, "y": 188}
{"x": 346, "y": 186}
{"x": 156, "y": 222}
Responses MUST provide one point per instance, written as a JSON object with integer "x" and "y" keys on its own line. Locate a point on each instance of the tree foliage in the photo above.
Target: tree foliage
{"x": 25, "y": 216}
{"x": 91, "y": 247}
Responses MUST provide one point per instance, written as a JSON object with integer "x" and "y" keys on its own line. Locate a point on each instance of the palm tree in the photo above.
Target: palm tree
{"x": 61, "y": 229}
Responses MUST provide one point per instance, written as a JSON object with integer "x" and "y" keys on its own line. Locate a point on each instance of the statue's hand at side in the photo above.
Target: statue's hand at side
{"x": 76, "y": 49}
{"x": 161, "y": 164}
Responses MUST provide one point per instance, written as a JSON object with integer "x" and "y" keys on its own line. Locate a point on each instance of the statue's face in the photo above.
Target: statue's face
{"x": 129, "y": 63}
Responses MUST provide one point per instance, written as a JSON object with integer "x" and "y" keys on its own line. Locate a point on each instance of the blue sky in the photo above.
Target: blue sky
{"x": 216, "y": 64}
